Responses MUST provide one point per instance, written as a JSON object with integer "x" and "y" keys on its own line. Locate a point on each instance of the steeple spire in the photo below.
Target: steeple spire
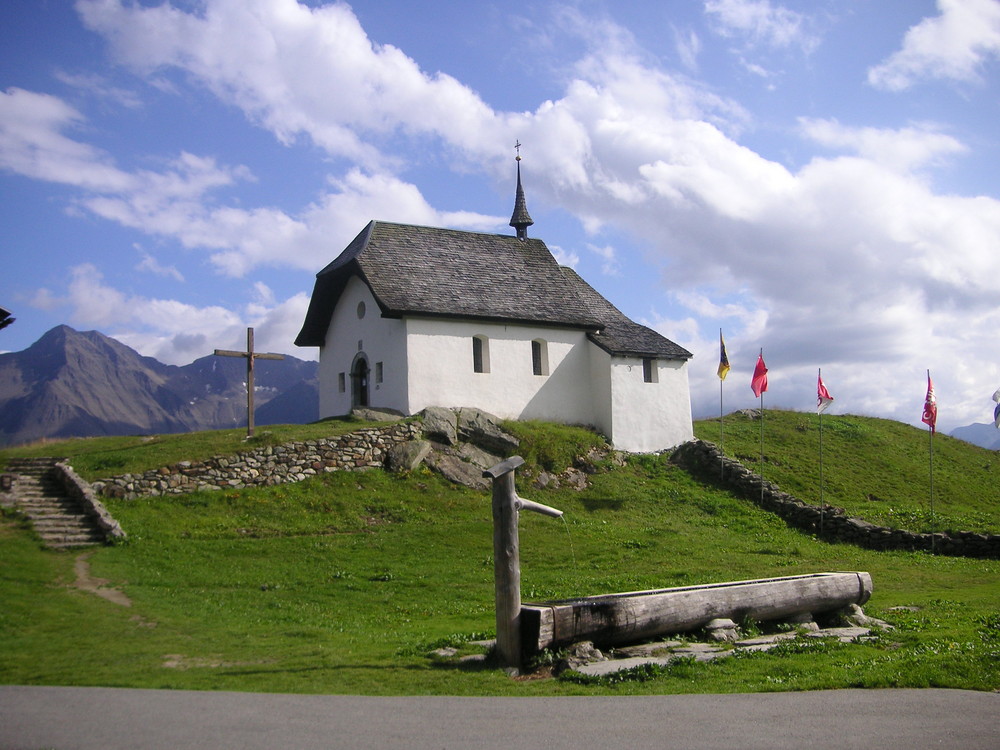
{"x": 520, "y": 219}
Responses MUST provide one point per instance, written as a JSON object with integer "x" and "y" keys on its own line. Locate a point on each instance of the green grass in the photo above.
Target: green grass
{"x": 875, "y": 469}
{"x": 344, "y": 584}
{"x": 98, "y": 458}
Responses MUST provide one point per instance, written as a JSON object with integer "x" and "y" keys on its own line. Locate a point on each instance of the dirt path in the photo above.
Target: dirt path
{"x": 85, "y": 582}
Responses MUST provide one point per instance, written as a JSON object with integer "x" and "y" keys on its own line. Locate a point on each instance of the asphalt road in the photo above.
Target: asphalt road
{"x": 63, "y": 718}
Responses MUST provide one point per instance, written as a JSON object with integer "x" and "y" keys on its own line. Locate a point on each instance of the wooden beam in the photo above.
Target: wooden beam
{"x": 616, "y": 619}
{"x": 250, "y": 355}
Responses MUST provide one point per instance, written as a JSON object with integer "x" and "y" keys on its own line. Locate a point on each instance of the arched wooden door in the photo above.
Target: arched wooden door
{"x": 359, "y": 381}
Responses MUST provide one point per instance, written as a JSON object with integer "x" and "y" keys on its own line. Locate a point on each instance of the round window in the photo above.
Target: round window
{"x": 361, "y": 310}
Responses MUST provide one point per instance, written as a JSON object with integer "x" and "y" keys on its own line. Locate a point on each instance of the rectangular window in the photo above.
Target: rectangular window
{"x": 342, "y": 382}
{"x": 648, "y": 370}
{"x": 539, "y": 357}
{"x": 378, "y": 372}
{"x": 480, "y": 354}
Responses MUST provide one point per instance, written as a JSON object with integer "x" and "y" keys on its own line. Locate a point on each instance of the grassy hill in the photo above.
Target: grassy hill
{"x": 344, "y": 583}
{"x": 875, "y": 469}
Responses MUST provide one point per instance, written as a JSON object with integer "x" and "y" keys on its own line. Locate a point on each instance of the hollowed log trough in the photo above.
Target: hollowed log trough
{"x": 618, "y": 619}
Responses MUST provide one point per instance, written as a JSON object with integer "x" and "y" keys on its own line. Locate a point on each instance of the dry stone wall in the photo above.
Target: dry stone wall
{"x": 77, "y": 489}
{"x": 267, "y": 465}
{"x": 704, "y": 460}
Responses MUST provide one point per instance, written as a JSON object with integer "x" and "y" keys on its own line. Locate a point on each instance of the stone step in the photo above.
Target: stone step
{"x": 49, "y": 506}
{"x": 58, "y": 524}
{"x": 26, "y": 487}
{"x": 78, "y": 539}
{"x": 40, "y": 492}
{"x": 30, "y": 483}
{"x": 30, "y": 466}
{"x": 71, "y": 542}
{"x": 57, "y": 519}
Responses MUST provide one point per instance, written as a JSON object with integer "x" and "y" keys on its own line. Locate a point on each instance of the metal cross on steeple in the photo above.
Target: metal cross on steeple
{"x": 520, "y": 219}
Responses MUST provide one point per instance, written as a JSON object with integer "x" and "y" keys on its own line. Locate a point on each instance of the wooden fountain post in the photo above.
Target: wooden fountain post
{"x": 507, "y": 558}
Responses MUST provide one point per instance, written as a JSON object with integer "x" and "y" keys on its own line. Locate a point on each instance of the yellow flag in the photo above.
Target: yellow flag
{"x": 723, "y": 358}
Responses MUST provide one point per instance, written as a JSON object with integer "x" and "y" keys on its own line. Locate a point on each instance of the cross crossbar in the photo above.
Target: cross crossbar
{"x": 250, "y": 355}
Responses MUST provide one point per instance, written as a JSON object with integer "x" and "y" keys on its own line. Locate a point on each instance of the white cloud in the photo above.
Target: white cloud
{"x": 296, "y": 70}
{"x": 900, "y": 150}
{"x": 152, "y": 265}
{"x": 263, "y": 294}
{"x": 610, "y": 265}
{"x": 100, "y": 87}
{"x": 954, "y": 45}
{"x": 179, "y": 201}
{"x": 175, "y": 332}
{"x": 32, "y": 144}
{"x": 760, "y": 22}
{"x": 688, "y": 46}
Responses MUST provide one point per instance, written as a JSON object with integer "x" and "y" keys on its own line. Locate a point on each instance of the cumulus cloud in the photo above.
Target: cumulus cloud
{"x": 296, "y": 70}
{"x": 180, "y": 201}
{"x": 900, "y": 150}
{"x": 171, "y": 331}
{"x": 954, "y": 45}
{"x": 32, "y": 144}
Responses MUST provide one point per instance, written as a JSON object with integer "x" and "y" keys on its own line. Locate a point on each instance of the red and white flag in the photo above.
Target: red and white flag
{"x": 929, "y": 417}
{"x": 823, "y": 397}
{"x": 758, "y": 384}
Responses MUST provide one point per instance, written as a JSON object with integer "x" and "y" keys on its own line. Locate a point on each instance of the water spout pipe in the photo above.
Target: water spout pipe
{"x": 507, "y": 558}
{"x": 520, "y": 503}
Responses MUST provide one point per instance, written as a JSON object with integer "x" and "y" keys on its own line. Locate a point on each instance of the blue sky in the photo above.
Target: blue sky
{"x": 817, "y": 179}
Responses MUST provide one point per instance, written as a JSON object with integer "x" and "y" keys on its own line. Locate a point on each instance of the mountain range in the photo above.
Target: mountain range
{"x": 984, "y": 435}
{"x": 83, "y": 384}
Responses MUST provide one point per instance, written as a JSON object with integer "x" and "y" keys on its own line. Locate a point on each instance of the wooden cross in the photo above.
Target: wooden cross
{"x": 250, "y": 355}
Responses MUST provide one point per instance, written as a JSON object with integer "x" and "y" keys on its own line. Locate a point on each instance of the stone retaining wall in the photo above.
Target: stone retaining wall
{"x": 703, "y": 459}
{"x": 267, "y": 465}
{"x": 78, "y": 489}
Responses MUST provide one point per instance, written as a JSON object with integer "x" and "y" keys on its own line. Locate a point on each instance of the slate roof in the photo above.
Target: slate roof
{"x": 618, "y": 334}
{"x": 428, "y": 272}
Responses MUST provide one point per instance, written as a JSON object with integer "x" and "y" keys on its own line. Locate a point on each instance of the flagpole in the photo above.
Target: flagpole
{"x": 722, "y": 436}
{"x": 930, "y": 450}
{"x": 722, "y": 372}
{"x": 820, "y": 379}
{"x": 762, "y": 446}
{"x": 930, "y": 438}
{"x": 762, "y": 436}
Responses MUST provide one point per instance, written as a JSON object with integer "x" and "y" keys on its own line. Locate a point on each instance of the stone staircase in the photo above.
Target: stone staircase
{"x": 58, "y": 519}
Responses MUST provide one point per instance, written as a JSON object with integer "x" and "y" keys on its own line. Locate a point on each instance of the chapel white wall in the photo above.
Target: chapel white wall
{"x": 378, "y": 339}
{"x": 429, "y": 362}
{"x": 442, "y": 374}
{"x": 653, "y": 416}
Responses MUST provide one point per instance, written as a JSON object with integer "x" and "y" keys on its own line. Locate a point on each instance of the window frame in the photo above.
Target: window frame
{"x": 539, "y": 357}
{"x": 481, "y": 354}
{"x": 649, "y": 370}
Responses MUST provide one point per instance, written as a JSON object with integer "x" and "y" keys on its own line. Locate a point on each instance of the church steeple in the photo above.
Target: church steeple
{"x": 520, "y": 219}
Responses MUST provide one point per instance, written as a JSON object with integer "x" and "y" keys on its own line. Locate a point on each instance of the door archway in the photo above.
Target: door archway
{"x": 359, "y": 381}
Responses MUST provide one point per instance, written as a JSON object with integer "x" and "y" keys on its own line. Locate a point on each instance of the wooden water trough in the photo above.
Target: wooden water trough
{"x": 617, "y": 619}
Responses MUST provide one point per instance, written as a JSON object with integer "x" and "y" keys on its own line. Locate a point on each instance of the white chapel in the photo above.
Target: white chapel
{"x": 408, "y": 317}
